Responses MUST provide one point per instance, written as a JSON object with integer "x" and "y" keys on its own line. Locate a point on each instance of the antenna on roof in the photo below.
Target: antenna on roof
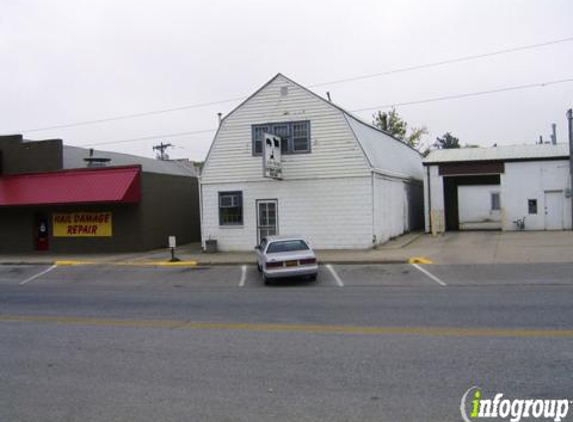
{"x": 96, "y": 161}
{"x": 162, "y": 155}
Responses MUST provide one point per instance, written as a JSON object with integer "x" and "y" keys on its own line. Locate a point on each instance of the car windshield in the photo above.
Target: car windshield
{"x": 287, "y": 246}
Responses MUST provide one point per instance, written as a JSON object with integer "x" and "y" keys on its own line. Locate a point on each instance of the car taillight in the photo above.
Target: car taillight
{"x": 308, "y": 261}
{"x": 274, "y": 264}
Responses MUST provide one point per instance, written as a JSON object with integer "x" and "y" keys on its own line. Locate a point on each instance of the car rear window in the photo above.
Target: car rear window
{"x": 287, "y": 246}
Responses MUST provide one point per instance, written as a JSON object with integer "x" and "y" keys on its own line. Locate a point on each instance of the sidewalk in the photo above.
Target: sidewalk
{"x": 451, "y": 248}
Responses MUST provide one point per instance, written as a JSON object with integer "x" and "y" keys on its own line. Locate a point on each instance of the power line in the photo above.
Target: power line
{"x": 428, "y": 100}
{"x": 445, "y": 62}
{"x": 147, "y": 138}
{"x": 134, "y": 115}
{"x": 339, "y": 81}
{"x": 470, "y": 94}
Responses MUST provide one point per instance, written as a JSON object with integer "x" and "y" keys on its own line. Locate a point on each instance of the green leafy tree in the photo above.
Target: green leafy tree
{"x": 447, "y": 141}
{"x": 392, "y": 123}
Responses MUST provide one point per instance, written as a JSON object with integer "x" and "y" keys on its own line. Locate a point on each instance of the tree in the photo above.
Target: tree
{"x": 393, "y": 124}
{"x": 447, "y": 141}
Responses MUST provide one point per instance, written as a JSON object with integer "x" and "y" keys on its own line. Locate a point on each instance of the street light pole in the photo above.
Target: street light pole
{"x": 570, "y": 124}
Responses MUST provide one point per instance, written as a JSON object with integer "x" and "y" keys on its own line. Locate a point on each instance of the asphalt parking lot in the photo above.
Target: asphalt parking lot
{"x": 330, "y": 276}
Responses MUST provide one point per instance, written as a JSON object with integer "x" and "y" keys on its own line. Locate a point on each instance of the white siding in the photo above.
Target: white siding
{"x": 330, "y": 213}
{"x": 335, "y": 152}
{"x": 530, "y": 180}
{"x": 397, "y": 207}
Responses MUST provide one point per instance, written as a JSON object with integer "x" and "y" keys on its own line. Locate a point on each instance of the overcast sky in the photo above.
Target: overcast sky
{"x": 71, "y": 61}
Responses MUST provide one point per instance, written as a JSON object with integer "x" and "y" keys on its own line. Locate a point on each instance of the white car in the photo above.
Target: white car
{"x": 285, "y": 256}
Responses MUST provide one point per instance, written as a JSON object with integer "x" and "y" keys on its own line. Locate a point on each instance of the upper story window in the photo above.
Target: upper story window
{"x": 295, "y": 136}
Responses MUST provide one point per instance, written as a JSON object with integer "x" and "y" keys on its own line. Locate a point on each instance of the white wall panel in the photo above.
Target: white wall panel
{"x": 474, "y": 207}
{"x": 330, "y": 213}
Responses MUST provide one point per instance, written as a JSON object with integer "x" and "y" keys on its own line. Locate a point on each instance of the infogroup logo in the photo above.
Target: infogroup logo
{"x": 513, "y": 409}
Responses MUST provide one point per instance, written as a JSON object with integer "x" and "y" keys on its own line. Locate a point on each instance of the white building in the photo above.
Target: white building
{"x": 498, "y": 188}
{"x": 344, "y": 183}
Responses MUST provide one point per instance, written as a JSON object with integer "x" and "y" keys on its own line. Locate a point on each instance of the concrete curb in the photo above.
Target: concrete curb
{"x": 70, "y": 263}
{"x": 191, "y": 264}
{"x": 63, "y": 263}
{"x": 320, "y": 262}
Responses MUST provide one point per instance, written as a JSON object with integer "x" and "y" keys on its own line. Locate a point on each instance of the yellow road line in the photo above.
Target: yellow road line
{"x": 130, "y": 263}
{"x": 296, "y": 328}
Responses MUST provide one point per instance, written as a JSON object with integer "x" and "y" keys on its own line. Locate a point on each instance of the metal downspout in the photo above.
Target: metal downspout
{"x": 429, "y": 199}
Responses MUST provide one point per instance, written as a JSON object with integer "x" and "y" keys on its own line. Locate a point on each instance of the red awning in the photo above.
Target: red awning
{"x": 81, "y": 186}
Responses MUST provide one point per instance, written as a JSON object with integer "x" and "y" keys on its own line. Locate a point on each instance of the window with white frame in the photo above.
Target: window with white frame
{"x": 231, "y": 208}
{"x": 295, "y": 136}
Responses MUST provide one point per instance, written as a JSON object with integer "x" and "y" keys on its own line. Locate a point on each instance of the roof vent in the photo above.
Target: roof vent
{"x": 553, "y": 133}
{"x": 96, "y": 161}
{"x": 284, "y": 91}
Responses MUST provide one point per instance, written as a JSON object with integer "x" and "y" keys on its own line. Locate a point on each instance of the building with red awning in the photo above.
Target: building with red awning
{"x": 69, "y": 199}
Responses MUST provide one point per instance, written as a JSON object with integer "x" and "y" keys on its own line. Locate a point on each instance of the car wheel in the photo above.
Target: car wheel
{"x": 312, "y": 277}
{"x": 266, "y": 280}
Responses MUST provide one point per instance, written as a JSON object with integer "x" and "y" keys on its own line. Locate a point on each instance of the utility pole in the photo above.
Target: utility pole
{"x": 162, "y": 155}
{"x": 570, "y": 122}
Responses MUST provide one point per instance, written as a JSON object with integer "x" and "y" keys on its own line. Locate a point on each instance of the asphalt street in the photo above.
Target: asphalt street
{"x": 362, "y": 343}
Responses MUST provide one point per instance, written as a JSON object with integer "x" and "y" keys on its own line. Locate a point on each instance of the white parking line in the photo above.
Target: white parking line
{"x": 336, "y": 277}
{"x": 430, "y": 275}
{"x": 38, "y": 275}
{"x": 243, "y": 275}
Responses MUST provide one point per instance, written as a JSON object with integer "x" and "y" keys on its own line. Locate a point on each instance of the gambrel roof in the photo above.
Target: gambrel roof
{"x": 382, "y": 152}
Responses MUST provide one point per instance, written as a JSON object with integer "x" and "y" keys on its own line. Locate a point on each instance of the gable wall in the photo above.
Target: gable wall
{"x": 334, "y": 151}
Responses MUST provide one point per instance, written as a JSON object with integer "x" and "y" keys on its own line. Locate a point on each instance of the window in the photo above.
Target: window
{"x": 295, "y": 136}
{"x": 282, "y": 131}
{"x": 300, "y": 137}
{"x": 230, "y": 208}
{"x": 287, "y": 246}
{"x": 258, "y": 132}
{"x": 532, "y": 206}
{"x": 495, "y": 202}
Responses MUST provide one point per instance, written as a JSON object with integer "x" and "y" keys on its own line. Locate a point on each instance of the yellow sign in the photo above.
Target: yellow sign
{"x": 82, "y": 224}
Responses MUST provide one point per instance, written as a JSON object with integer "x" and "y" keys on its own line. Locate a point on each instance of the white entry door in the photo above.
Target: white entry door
{"x": 267, "y": 218}
{"x": 554, "y": 210}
